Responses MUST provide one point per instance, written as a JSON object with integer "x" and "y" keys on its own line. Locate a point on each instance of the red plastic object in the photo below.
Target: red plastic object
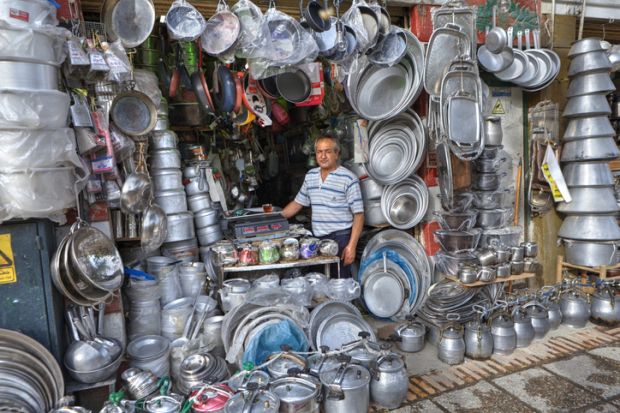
{"x": 428, "y": 237}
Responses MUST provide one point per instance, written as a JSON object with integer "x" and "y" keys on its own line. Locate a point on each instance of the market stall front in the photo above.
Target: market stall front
{"x": 255, "y": 212}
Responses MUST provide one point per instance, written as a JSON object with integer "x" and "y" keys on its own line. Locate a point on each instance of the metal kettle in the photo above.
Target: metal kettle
{"x": 523, "y": 326}
{"x": 389, "y": 384}
{"x": 540, "y": 318}
{"x": 575, "y": 308}
{"x": 410, "y": 336}
{"x": 451, "y": 347}
{"x": 605, "y": 306}
{"x": 478, "y": 337}
{"x": 503, "y": 331}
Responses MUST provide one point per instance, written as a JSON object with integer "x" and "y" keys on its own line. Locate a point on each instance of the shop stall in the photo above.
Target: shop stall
{"x": 154, "y": 153}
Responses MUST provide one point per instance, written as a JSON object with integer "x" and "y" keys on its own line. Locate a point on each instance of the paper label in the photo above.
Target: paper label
{"x": 553, "y": 175}
{"x": 7, "y": 263}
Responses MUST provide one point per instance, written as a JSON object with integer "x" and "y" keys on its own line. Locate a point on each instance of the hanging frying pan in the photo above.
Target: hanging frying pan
{"x": 238, "y": 92}
{"x": 268, "y": 87}
{"x": 222, "y": 31}
{"x": 295, "y": 86}
{"x": 200, "y": 87}
{"x": 314, "y": 14}
{"x": 131, "y": 21}
{"x": 383, "y": 19}
{"x": 225, "y": 89}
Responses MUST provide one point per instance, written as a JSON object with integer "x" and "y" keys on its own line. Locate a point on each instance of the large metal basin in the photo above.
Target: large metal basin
{"x": 591, "y": 149}
{"x": 587, "y": 174}
{"x": 590, "y": 228}
{"x": 590, "y": 127}
{"x": 590, "y": 200}
{"x": 590, "y": 254}
{"x": 456, "y": 241}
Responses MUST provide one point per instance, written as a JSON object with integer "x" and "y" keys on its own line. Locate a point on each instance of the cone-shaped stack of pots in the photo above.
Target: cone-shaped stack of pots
{"x": 590, "y": 230}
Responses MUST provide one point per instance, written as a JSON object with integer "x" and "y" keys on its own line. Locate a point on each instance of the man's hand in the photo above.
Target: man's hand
{"x": 348, "y": 254}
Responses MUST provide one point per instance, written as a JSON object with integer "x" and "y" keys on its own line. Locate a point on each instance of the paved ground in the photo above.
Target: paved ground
{"x": 587, "y": 381}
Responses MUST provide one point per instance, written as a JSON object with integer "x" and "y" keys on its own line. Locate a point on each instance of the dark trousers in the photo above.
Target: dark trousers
{"x": 342, "y": 238}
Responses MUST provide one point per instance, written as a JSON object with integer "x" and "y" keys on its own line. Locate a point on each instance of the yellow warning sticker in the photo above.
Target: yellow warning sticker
{"x": 555, "y": 191}
{"x": 7, "y": 263}
{"x": 498, "y": 108}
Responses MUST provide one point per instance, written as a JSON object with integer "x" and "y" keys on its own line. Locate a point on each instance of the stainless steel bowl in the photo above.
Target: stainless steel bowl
{"x": 457, "y": 241}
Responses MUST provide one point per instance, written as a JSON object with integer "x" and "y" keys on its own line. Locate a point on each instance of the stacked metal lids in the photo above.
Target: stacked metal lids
{"x": 394, "y": 274}
{"x": 199, "y": 369}
{"x": 446, "y": 299}
{"x": 31, "y": 378}
{"x": 334, "y": 323}
{"x": 377, "y": 92}
{"x": 590, "y": 230}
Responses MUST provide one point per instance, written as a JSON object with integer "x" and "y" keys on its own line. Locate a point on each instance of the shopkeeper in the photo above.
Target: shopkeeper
{"x": 333, "y": 192}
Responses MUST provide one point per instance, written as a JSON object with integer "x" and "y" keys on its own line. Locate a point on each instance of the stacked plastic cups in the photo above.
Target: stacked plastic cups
{"x": 206, "y": 218}
{"x": 170, "y": 193}
{"x": 590, "y": 230}
{"x": 38, "y": 161}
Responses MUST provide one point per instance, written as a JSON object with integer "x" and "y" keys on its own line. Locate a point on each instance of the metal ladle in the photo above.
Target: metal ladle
{"x": 81, "y": 355}
{"x": 136, "y": 192}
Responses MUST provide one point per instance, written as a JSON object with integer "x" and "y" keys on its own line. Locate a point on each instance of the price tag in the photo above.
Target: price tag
{"x": 103, "y": 164}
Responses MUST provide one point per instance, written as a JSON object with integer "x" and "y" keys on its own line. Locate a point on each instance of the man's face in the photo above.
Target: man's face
{"x": 326, "y": 154}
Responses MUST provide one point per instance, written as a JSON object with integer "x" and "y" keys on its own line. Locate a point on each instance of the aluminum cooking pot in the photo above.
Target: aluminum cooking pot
{"x": 523, "y": 326}
{"x": 540, "y": 318}
{"x": 411, "y": 336}
{"x": 590, "y": 127}
{"x": 586, "y": 106}
{"x": 451, "y": 347}
{"x": 590, "y": 83}
{"x": 503, "y": 331}
{"x": 389, "y": 384}
{"x": 468, "y": 274}
{"x": 590, "y": 62}
{"x": 590, "y": 200}
{"x": 171, "y": 201}
{"x": 253, "y": 400}
{"x": 493, "y": 134}
{"x": 371, "y": 190}
{"x": 297, "y": 394}
{"x": 166, "y": 179}
{"x": 590, "y": 253}
{"x": 590, "y": 149}
{"x": 346, "y": 389}
{"x": 199, "y": 202}
{"x": 493, "y": 218}
{"x": 587, "y": 174}
{"x": 180, "y": 227}
{"x": 209, "y": 235}
{"x": 487, "y": 182}
{"x": 165, "y": 139}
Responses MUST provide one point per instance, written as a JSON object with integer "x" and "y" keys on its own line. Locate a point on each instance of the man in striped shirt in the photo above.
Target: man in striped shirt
{"x": 333, "y": 192}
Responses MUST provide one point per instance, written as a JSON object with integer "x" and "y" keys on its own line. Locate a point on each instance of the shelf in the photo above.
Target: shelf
{"x": 601, "y": 271}
{"x": 282, "y": 265}
{"x": 517, "y": 277}
{"x": 614, "y": 165}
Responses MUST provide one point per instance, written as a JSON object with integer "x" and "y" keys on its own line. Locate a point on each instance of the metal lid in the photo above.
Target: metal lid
{"x": 212, "y": 399}
{"x": 390, "y": 363}
{"x": 294, "y": 389}
{"x": 259, "y": 401}
{"x": 362, "y": 354}
{"x": 162, "y": 404}
{"x": 353, "y": 378}
{"x": 281, "y": 366}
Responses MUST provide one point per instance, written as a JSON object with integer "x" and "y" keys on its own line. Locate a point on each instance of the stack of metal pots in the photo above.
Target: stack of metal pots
{"x": 169, "y": 192}
{"x": 590, "y": 231}
{"x": 206, "y": 217}
{"x": 38, "y": 161}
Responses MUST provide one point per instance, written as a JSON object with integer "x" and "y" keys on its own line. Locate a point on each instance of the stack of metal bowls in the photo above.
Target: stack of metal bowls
{"x": 34, "y": 113}
{"x": 144, "y": 316}
{"x": 138, "y": 383}
{"x": 32, "y": 380}
{"x": 199, "y": 369}
{"x": 150, "y": 353}
{"x": 170, "y": 194}
{"x": 206, "y": 218}
{"x": 590, "y": 231}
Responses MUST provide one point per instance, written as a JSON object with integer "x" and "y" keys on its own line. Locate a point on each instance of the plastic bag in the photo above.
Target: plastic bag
{"x": 184, "y": 21}
{"x": 147, "y": 83}
{"x": 23, "y": 148}
{"x": 33, "y": 109}
{"x": 116, "y": 58}
{"x": 353, "y": 18}
{"x": 253, "y": 35}
{"x": 40, "y": 192}
{"x": 25, "y": 14}
{"x": 269, "y": 340}
{"x": 45, "y": 44}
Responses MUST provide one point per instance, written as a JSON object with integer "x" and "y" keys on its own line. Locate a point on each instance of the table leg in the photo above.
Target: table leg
{"x": 328, "y": 271}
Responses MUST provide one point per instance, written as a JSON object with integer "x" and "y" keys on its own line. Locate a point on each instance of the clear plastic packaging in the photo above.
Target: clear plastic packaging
{"x": 290, "y": 249}
{"x": 144, "y": 319}
{"x": 253, "y": 34}
{"x": 116, "y": 58}
{"x": 147, "y": 83}
{"x": 299, "y": 288}
{"x": 268, "y": 252}
{"x": 39, "y": 192}
{"x": 27, "y": 13}
{"x": 501, "y": 237}
{"x": 184, "y": 21}
{"x": 169, "y": 283}
{"x": 45, "y": 45}
{"x": 34, "y": 109}
{"x": 23, "y": 148}
{"x": 309, "y": 247}
{"x": 328, "y": 248}
{"x": 343, "y": 289}
{"x": 353, "y": 18}
{"x": 448, "y": 263}
{"x": 173, "y": 322}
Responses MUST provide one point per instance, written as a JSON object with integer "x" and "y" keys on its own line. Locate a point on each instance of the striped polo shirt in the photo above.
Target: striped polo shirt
{"x": 333, "y": 201}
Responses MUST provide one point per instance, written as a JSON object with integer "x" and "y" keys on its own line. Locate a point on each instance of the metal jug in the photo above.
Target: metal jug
{"x": 503, "y": 331}
{"x": 478, "y": 338}
{"x": 523, "y": 326}
{"x": 540, "y": 318}
{"x": 575, "y": 308}
{"x": 451, "y": 347}
{"x": 389, "y": 384}
{"x": 555, "y": 315}
{"x": 605, "y": 306}
{"x": 233, "y": 293}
